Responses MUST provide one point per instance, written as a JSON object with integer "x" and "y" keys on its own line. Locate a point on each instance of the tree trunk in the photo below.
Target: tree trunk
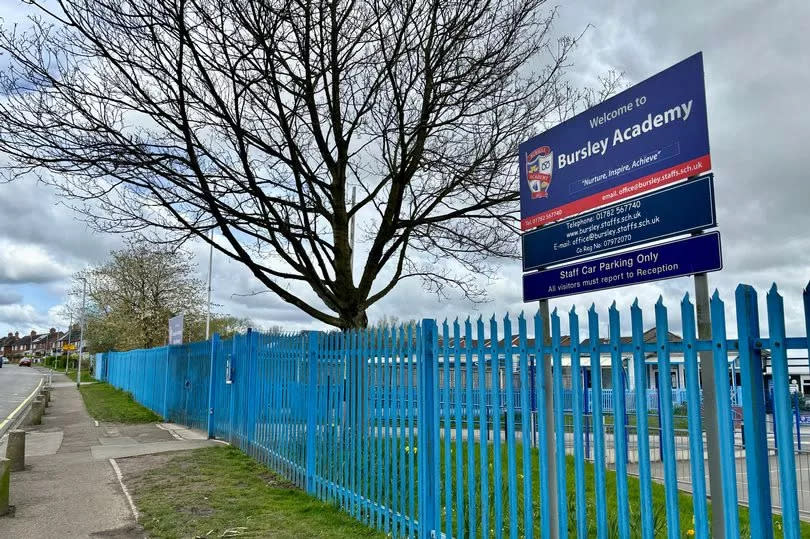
{"x": 353, "y": 318}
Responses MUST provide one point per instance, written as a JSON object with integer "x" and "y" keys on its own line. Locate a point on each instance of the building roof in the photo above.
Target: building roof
{"x": 74, "y": 335}
{"x": 649, "y": 336}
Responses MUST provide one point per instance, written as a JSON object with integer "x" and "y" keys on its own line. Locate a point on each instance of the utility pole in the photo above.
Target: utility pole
{"x": 208, "y": 304}
{"x": 81, "y": 333}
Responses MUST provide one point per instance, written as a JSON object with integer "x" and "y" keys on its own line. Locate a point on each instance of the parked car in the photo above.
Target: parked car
{"x": 5, "y": 359}
{"x": 25, "y": 362}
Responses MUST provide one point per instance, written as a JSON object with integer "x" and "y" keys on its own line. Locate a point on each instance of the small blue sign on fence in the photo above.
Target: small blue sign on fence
{"x": 645, "y": 137}
{"x": 698, "y": 254}
{"x": 648, "y": 218}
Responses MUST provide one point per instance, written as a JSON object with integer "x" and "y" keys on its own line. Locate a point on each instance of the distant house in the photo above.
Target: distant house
{"x": 34, "y": 344}
{"x": 72, "y": 337}
{"x": 6, "y": 344}
{"x": 45, "y": 343}
{"x": 20, "y": 345}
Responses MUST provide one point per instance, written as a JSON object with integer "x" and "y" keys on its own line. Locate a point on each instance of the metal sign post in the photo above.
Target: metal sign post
{"x": 548, "y": 421}
{"x": 704, "y": 327}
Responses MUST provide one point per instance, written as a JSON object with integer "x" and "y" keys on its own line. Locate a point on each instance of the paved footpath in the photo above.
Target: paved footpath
{"x": 69, "y": 487}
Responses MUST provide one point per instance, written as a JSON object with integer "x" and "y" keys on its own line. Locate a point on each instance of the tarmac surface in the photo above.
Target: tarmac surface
{"x": 16, "y": 383}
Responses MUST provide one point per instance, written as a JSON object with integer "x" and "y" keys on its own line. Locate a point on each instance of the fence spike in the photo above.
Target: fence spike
{"x": 783, "y": 414}
{"x": 806, "y": 302}
{"x": 593, "y": 308}
{"x": 716, "y": 298}
{"x": 659, "y": 306}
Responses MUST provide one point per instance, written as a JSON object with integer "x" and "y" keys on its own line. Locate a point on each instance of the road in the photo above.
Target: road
{"x": 16, "y": 383}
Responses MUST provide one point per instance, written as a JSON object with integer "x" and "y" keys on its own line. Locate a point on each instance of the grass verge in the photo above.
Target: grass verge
{"x": 85, "y": 376}
{"x": 106, "y": 403}
{"x": 221, "y": 492}
{"x": 658, "y": 511}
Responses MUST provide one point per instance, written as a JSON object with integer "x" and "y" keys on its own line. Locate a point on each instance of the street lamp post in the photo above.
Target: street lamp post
{"x": 208, "y": 304}
{"x": 81, "y": 333}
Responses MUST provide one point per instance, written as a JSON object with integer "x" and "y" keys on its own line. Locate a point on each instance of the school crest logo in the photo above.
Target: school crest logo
{"x": 539, "y": 167}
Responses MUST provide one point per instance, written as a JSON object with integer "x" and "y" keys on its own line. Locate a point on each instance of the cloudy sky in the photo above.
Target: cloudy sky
{"x": 757, "y": 75}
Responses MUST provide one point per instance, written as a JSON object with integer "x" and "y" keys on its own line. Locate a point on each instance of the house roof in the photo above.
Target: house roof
{"x": 74, "y": 335}
{"x": 25, "y": 340}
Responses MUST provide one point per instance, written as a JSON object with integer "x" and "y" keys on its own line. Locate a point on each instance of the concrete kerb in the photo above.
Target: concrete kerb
{"x": 5, "y": 483}
{"x": 37, "y": 411}
{"x": 15, "y": 450}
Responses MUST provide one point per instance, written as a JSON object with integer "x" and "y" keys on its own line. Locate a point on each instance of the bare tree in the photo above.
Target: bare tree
{"x": 256, "y": 118}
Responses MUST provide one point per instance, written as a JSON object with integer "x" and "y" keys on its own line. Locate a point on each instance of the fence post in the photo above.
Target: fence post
{"x": 428, "y": 443}
{"x": 166, "y": 385}
{"x": 312, "y": 408}
{"x": 798, "y": 424}
{"x": 781, "y": 408}
{"x": 211, "y": 384}
{"x": 250, "y": 423}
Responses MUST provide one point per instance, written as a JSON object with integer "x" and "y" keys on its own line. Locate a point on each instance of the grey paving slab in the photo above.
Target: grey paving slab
{"x": 104, "y": 452}
{"x": 38, "y": 444}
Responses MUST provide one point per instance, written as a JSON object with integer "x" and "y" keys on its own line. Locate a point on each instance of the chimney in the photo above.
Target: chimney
{"x": 52, "y": 331}
{"x": 33, "y": 333}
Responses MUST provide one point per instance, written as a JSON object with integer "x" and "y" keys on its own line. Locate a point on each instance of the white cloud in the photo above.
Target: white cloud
{"x": 24, "y": 318}
{"x": 29, "y": 264}
{"x": 756, "y": 80}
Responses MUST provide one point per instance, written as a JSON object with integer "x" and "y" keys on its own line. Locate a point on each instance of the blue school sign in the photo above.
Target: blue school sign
{"x": 644, "y": 219}
{"x": 692, "y": 255}
{"x": 646, "y": 137}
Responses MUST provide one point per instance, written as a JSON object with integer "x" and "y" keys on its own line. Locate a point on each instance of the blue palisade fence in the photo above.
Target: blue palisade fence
{"x": 436, "y": 430}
